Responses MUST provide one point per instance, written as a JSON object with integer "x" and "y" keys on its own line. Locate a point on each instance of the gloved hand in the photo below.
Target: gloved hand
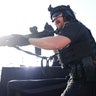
{"x": 17, "y": 40}
{"x": 14, "y": 40}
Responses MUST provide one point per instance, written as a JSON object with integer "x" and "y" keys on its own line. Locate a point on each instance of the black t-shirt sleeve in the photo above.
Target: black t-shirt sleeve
{"x": 71, "y": 30}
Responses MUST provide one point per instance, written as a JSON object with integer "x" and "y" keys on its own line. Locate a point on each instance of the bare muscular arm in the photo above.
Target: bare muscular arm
{"x": 50, "y": 43}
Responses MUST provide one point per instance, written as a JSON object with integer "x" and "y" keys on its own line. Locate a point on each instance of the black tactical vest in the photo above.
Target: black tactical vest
{"x": 76, "y": 52}
{"x": 81, "y": 53}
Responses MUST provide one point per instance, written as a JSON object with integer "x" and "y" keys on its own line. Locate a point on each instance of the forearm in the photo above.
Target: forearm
{"x": 50, "y": 43}
{"x": 44, "y": 43}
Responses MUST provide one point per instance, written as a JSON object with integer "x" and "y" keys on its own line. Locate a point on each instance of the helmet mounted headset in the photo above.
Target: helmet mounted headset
{"x": 66, "y": 11}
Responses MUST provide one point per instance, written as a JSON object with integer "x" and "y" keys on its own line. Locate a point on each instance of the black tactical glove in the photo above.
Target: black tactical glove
{"x": 17, "y": 40}
{"x": 14, "y": 40}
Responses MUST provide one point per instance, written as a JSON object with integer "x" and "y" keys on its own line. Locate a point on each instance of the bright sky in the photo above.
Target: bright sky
{"x": 16, "y": 16}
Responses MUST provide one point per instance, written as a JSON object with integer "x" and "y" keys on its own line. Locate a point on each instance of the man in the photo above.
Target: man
{"x": 72, "y": 35}
{"x": 74, "y": 44}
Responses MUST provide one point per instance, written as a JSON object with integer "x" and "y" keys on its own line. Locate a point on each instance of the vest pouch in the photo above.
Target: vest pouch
{"x": 89, "y": 69}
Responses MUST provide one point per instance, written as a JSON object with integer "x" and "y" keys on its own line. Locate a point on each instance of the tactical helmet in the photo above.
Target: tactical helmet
{"x": 65, "y": 10}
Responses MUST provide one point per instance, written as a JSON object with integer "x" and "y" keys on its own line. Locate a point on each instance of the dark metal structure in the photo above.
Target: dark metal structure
{"x": 41, "y": 80}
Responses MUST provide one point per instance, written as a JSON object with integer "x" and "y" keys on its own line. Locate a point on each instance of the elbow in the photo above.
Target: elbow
{"x": 56, "y": 47}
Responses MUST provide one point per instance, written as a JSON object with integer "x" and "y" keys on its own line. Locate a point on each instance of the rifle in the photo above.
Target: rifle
{"x": 16, "y": 39}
